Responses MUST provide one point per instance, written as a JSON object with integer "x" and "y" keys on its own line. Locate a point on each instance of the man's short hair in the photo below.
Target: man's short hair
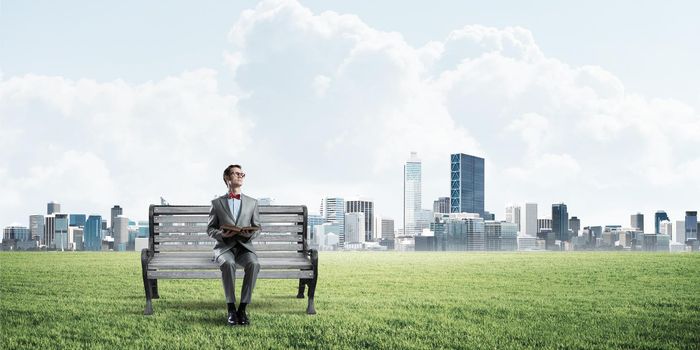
{"x": 227, "y": 172}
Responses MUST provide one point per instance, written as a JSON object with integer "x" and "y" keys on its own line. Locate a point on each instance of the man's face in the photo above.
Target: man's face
{"x": 236, "y": 177}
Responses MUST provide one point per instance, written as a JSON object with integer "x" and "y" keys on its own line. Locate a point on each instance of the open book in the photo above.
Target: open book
{"x": 240, "y": 231}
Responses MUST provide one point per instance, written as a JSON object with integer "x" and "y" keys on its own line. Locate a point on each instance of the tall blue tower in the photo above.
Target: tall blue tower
{"x": 466, "y": 184}
{"x": 560, "y": 221}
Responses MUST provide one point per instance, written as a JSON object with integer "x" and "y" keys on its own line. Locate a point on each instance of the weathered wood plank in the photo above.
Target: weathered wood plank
{"x": 207, "y": 263}
{"x": 209, "y": 254}
{"x": 204, "y": 247}
{"x": 204, "y": 209}
{"x": 203, "y": 229}
{"x": 203, "y": 219}
{"x": 239, "y": 274}
{"x": 206, "y": 238}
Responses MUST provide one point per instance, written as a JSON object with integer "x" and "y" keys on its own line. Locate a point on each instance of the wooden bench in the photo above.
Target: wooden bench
{"x": 179, "y": 248}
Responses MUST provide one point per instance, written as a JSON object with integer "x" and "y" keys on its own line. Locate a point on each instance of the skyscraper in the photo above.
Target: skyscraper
{"x": 93, "y": 233}
{"x": 116, "y": 211}
{"x": 658, "y": 217}
{"x": 442, "y": 205}
{"x": 691, "y": 225}
{"x": 61, "y": 232}
{"x": 77, "y": 220}
{"x": 355, "y": 227}
{"x": 513, "y": 215}
{"x": 574, "y": 225}
{"x": 366, "y": 207}
{"x": 637, "y": 222}
{"x": 52, "y": 207}
{"x": 388, "y": 229}
{"x": 466, "y": 184}
{"x": 36, "y": 227}
{"x": 530, "y": 218}
{"x": 411, "y": 194}
{"x": 120, "y": 232}
{"x": 49, "y": 225}
{"x": 333, "y": 211}
{"x": 560, "y": 222}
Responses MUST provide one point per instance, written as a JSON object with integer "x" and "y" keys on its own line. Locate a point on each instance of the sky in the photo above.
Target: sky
{"x": 591, "y": 104}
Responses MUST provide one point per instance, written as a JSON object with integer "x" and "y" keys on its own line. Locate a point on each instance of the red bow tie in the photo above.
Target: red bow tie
{"x": 236, "y": 196}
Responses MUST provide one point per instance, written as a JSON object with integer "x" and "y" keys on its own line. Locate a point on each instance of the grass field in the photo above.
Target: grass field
{"x": 364, "y": 300}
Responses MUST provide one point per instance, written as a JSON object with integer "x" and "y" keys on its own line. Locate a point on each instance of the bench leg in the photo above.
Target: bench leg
{"x": 302, "y": 285}
{"x": 154, "y": 289}
{"x": 310, "y": 308}
{"x": 145, "y": 257}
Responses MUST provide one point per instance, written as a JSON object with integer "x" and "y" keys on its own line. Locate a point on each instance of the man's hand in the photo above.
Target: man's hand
{"x": 227, "y": 233}
{"x": 245, "y": 236}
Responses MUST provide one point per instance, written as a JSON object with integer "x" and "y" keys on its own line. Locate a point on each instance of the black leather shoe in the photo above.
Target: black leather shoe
{"x": 232, "y": 319}
{"x": 243, "y": 319}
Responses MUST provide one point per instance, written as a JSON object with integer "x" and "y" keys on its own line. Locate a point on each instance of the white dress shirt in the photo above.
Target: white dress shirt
{"x": 235, "y": 205}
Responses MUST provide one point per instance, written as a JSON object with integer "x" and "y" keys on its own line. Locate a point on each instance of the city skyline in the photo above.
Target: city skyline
{"x": 554, "y": 122}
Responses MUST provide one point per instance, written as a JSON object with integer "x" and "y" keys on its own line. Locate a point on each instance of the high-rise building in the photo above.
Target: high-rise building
{"x": 501, "y": 235}
{"x": 691, "y": 225}
{"x": 52, "y": 208}
{"x": 530, "y": 218}
{"x": 574, "y": 225}
{"x": 666, "y": 228}
{"x": 462, "y": 233}
{"x": 77, "y": 220}
{"x": 513, "y": 215}
{"x": 49, "y": 230}
{"x": 61, "y": 239}
{"x": 412, "y": 193}
{"x": 93, "y": 233}
{"x": 658, "y": 217}
{"x": 442, "y": 205}
{"x": 366, "y": 207}
{"x": 388, "y": 229}
{"x": 36, "y": 227}
{"x": 423, "y": 219}
{"x": 313, "y": 220}
{"x": 544, "y": 225}
{"x": 120, "y": 232}
{"x": 560, "y": 222}
{"x": 354, "y": 227}
{"x": 17, "y": 233}
{"x": 637, "y": 222}
{"x": 115, "y": 211}
{"x": 679, "y": 233}
{"x": 466, "y": 184}
{"x": 333, "y": 211}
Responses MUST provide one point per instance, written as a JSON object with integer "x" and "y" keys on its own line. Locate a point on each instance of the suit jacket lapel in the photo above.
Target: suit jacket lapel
{"x": 240, "y": 210}
{"x": 227, "y": 208}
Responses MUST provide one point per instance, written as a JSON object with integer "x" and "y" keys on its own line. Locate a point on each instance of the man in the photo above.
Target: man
{"x": 235, "y": 208}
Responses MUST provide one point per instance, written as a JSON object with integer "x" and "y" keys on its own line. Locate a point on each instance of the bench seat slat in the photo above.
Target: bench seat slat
{"x": 204, "y": 219}
{"x": 205, "y": 238}
{"x": 203, "y": 229}
{"x": 210, "y": 247}
{"x": 207, "y": 263}
{"x": 239, "y": 274}
{"x": 208, "y": 254}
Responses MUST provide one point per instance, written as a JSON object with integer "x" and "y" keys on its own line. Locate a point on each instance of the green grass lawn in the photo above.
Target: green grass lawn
{"x": 364, "y": 300}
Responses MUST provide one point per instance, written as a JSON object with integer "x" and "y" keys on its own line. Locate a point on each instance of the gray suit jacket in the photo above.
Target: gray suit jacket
{"x": 220, "y": 214}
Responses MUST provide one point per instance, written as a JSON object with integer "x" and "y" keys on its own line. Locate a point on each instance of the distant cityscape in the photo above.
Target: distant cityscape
{"x": 455, "y": 223}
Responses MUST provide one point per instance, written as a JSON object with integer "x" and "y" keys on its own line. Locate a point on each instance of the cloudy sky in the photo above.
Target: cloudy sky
{"x": 592, "y": 104}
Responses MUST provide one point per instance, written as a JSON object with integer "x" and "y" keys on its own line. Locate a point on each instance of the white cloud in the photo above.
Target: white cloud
{"x": 90, "y": 145}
